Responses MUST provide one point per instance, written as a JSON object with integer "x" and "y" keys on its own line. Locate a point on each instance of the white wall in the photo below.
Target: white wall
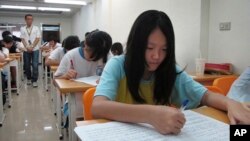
{"x": 204, "y": 36}
{"x": 117, "y": 16}
{"x": 230, "y": 46}
{"x": 64, "y": 22}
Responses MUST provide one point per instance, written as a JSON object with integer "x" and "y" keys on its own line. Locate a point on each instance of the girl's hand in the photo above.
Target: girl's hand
{"x": 167, "y": 120}
{"x": 238, "y": 113}
{"x": 71, "y": 74}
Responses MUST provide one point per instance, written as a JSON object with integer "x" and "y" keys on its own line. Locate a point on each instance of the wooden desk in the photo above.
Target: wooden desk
{"x": 53, "y": 68}
{"x": 70, "y": 88}
{"x": 208, "y": 111}
{"x": 9, "y": 59}
{"x": 20, "y": 59}
{"x": 2, "y": 114}
{"x": 53, "y": 92}
{"x": 207, "y": 79}
{"x": 16, "y": 54}
{"x": 6, "y": 65}
{"x": 17, "y": 64}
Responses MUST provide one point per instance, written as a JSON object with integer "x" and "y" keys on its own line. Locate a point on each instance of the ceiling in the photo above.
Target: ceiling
{"x": 38, "y": 3}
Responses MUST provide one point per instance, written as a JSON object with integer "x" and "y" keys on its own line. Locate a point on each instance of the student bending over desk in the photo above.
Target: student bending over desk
{"x": 85, "y": 61}
{"x": 140, "y": 86}
{"x": 56, "y": 55}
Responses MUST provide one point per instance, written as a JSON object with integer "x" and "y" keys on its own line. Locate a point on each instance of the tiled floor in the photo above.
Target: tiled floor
{"x": 30, "y": 118}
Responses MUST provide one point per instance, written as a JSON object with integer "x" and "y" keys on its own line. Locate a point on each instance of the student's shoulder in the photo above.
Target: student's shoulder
{"x": 59, "y": 49}
{"x": 73, "y": 52}
{"x": 118, "y": 60}
{"x": 116, "y": 64}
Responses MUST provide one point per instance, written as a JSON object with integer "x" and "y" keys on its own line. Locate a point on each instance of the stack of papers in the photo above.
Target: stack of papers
{"x": 89, "y": 80}
{"x": 197, "y": 128}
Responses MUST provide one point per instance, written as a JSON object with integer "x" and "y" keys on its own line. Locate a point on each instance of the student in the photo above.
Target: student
{"x": 56, "y": 55}
{"x": 51, "y": 45}
{"x": 30, "y": 36}
{"x": 47, "y": 48}
{"x": 117, "y": 49}
{"x": 140, "y": 86}
{"x": 240, "y": 89}
{"x": 13, "y": 47}
{"x": 16, "y": 39}
{"x": 3, "y": 81}
{"x": 85, "y": 61}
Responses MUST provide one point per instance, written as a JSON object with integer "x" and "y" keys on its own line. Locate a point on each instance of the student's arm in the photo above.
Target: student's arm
{"x": 164, "y": 119}
{"x": 52, "y": 62}
{"x": 2, "y": 57}
{"x": 64, "y": 70}
{"x": 236, "y": 111}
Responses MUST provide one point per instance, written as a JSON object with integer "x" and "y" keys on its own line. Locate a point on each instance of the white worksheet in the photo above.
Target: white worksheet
{"x": 197, "y": 128}
{"x": 88, "y": 80}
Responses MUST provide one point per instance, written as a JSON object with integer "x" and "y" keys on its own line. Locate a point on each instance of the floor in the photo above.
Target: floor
{"x": 30, "y": 118}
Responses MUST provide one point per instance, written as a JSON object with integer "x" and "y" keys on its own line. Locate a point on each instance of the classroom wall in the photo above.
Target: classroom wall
{"x": 231, "y": 46}
{"x": 117, "y": 16}
{"x": 64, "y": 22}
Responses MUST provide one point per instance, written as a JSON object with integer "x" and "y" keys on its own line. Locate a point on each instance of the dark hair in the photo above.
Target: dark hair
{"x": 86, "y": 34}
{"x": 6, "y": 33}
{"x": 71, "y": 42}
{"x": 8, "y": 39}
{"x": 100, "y": 43}
{"x": 135, "y": 62}
{"x": 117, "y": 47}
{"x": 52, "y": 38}
{"x": 27, "y": 15}
{"x": 82, "y": 44}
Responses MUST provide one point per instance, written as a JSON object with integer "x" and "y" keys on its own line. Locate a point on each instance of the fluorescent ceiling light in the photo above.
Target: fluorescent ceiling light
{"x": 72, "y": 2}
{"x": 18, "y": 7}
{"x": 7, "y": 26}
{"x": 54, "y": 9}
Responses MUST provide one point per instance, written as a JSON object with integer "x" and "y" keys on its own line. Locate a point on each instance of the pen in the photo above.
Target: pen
{"x": 72, "y": 65}
{"x": 184, "y": 104}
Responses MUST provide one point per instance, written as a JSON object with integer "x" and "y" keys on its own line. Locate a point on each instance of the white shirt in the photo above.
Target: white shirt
{"x": 240, "y": 90}
{"x": 34, "y": 33}
{"x": 57, "y": 54}
{"x": 51, "y": 49}
{"x": 5, "y": 51}
{"x": 83, "y": 68}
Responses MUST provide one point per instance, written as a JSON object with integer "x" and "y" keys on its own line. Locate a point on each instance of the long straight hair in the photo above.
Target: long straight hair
{"x": 135, "y": 62}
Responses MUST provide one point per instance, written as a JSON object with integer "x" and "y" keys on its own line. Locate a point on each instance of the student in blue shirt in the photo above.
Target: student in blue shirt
{"x": 142, "y": 85}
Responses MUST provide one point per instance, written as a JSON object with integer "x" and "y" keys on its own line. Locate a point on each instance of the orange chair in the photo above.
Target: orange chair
{"x": 87, "y": 99}
{"x": 224, "y": 83}
{"x": 215, "y": 89}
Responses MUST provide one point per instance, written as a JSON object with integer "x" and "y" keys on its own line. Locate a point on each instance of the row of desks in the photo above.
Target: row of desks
{"x": 13, "y": 60}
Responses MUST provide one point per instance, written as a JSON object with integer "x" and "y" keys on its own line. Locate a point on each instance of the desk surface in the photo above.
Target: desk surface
{"x": 207, "y": 77}
{"x": 15, "y": 54}
{"x": 53, "y": 68}
{"x": 9, "y": 59}
{"x": 208, "y": 111}
{"x": 71, "y": 86}
{"x": 15, "y": 57}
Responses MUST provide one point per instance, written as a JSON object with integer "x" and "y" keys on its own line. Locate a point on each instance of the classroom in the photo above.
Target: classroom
{"x": 112, "y": 70}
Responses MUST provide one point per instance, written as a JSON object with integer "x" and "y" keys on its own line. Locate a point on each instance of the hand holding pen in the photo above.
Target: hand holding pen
{"x": 71, "y": 74}
{"x": 184, "y": 105}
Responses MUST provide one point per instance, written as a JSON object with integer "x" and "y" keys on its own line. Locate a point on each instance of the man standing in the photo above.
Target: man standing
{"x": 30, "y": 35}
